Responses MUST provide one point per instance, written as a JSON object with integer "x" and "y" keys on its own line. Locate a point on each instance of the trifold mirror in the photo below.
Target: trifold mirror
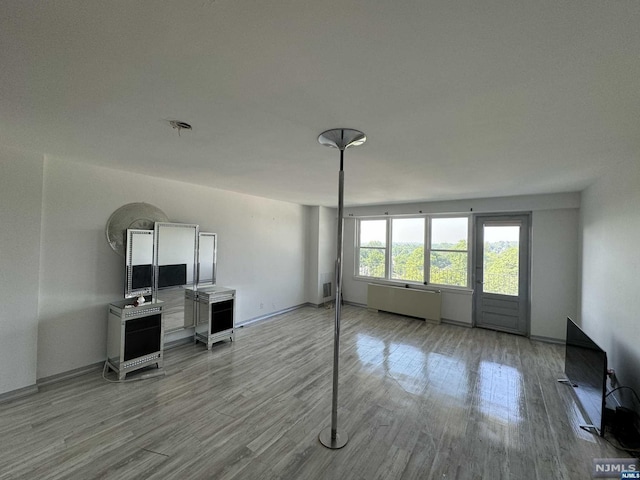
{"x": 175, "y": 266}
{"x": 167, "y": 260}
{"x": 207, "y": 249}
{"x": 138, "y": 263}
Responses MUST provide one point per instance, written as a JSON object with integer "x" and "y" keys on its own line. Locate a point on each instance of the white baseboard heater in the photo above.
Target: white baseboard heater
{"x": 405, "y": 301}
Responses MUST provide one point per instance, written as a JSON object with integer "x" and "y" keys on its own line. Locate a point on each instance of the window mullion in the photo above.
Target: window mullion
{"x": 357, "y": 249}
{"x": 470, "y": 248}
{"x": 427, "y": 250}
{"x": 388, "y": 251}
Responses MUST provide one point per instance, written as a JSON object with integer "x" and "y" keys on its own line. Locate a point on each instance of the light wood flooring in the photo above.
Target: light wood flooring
{"x": 418, "y": 401}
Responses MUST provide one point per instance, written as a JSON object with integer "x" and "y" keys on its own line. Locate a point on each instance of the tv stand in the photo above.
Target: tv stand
{"x": 566, "y": 381}
{"x": 590, "y": 428}
{"x": 587, "y": 427}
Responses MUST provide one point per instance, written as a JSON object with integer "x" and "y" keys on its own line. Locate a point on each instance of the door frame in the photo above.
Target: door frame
{"x": 474, "y": 260}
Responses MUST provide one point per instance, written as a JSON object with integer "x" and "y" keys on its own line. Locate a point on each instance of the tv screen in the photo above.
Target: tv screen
{"x": 585, "y": 365}
{"x": 172, "y": 275}
{"x": 141, "y": 277}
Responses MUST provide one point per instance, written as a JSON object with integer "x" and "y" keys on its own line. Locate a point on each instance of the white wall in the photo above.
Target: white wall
{"x": 261, "y": 253}
{"x": 21, "y": 202}
{"x": 474, "y": 205}
{"x": 313, "y": 237}
{"x": 327, "y": 251}
{"x": 554, "y": 250}
{"x": 321, "y": 252}
{"x": 610, "y": 298}
{"x": 554, "y": 271}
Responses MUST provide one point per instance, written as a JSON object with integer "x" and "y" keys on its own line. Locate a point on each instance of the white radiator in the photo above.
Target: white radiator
{"x": 405, "y": 301}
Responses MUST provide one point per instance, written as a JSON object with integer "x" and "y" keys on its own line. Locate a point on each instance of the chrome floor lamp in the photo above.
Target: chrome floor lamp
{"x": 340, "y": 138}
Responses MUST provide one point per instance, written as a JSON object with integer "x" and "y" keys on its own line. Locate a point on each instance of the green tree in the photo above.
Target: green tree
{"x": 407, "y": 261}
{"x": 501, "y": 268}
{"x": 449, "y": 268}
{"x": 371, "y": 262}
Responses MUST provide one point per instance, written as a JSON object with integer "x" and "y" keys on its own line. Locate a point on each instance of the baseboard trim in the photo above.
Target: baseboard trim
{"x": 19, "y": 393}
{"x": 178, "y": 343}
{"x": 361, "y": 305}
{"x": 457, "y": 323}
{"x": 41, "y": 382}
{"x": 540, "y": 338}
{"x": 273, "y": 314}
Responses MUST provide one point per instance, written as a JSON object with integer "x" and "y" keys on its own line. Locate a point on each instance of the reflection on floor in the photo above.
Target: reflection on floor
{"x": 419, "y": 401}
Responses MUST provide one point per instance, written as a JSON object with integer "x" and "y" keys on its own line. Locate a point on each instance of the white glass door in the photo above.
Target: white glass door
{"x": 502, "y": 273}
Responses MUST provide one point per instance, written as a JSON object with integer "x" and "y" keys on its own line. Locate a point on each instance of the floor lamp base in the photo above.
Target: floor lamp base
{"x": 334, "y": 443}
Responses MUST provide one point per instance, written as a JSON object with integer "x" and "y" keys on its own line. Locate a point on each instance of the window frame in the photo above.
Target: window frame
{"x": 385, "y": 248}
{"x": 468, "y": 251}
{"x": 388, "y": 272}
{"x": 390, "y": 243}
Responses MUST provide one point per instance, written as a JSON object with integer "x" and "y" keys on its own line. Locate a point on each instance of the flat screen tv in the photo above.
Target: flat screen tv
{"x": 172, "y": 275}
{"x": 585, "y": 365}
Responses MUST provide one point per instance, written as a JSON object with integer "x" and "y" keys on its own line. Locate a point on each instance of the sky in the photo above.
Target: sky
{"x": 445, "y": 230}
{"x": 506, "y": 233}
{"x": 449, "y": 230}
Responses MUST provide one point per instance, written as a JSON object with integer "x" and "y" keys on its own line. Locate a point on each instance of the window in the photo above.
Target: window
{"x": 372, "y": 249}
{"x": 393, "y": 248}
{"x": 448, "y": 253}
{"x": 407, "y": 249}
{"x": 501, "y": 262}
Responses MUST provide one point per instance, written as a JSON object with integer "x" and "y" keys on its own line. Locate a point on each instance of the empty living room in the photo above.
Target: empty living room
{"x": 337, "y": 240}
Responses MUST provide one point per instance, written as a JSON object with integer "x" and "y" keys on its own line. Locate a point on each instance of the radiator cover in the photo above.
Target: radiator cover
{"x": 405, "y": 301}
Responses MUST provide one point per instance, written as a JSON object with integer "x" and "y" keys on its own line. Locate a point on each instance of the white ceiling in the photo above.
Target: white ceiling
{"x": 459, "y": 99}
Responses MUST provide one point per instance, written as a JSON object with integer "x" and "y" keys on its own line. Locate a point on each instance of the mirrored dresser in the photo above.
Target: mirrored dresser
{"x": 215, "y": 313}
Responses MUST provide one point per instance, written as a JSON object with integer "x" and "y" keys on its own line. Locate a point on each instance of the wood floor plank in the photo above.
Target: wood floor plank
{"x": 418, "y": 401}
